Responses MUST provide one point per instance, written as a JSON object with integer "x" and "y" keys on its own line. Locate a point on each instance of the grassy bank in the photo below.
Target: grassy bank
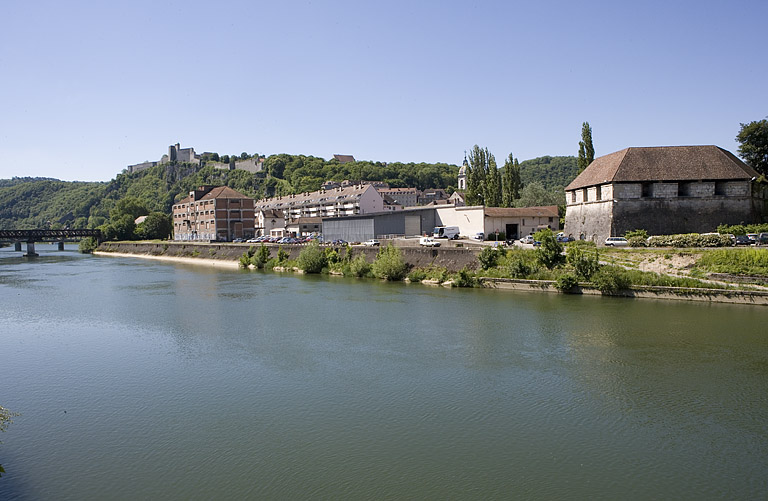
{"x": 577, "y": 264}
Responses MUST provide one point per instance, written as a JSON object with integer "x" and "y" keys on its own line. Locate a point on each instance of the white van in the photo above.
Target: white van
{"x": 450, "y": 232}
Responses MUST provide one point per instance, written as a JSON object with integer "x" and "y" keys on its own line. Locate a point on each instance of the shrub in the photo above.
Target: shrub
{"x": 584, "y": 259}
{"x": 260, "y": 258}
{"x": 282, "y": 255}
{"x": 737, "y": 229}
{"x": 465, "y": 278}
{"x": 245, "y": 260}
{"x": 637, "y": 241}
{"x": 88, "y": 245}
{"x": 417, "y": 275}
{"x": 359, "y": 267}
{"x": 312, "y": 258}
{"x": 690, "y": 240}
{"x": 566, "y": 282}
{"x": 489, "y": 257}
{"x": 550, "y": 252}
{"x": 389, "y": 264}
{"x": 610, "y": 280}
{"x": 636, "y": 233}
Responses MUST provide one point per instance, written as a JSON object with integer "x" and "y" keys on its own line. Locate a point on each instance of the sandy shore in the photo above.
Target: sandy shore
{"x": 218, "y": 263}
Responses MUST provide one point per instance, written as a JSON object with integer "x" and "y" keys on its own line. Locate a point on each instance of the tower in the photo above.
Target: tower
{"x": 463, "y": 174}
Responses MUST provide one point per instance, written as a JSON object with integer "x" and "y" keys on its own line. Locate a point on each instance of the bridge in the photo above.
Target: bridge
{"x": 32, "y": 236}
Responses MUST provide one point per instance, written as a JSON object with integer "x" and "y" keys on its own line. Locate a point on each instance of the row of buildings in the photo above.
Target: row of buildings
{"x": 663, "y": 190}
{"x": 353, "y": 213}
{"x": 187, "y": 155}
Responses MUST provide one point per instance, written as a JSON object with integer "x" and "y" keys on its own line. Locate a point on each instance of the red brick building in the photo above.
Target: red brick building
{"x": 213, "y": 213}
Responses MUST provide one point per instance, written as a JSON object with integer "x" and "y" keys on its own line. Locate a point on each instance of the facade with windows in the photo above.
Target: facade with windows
{"x": 213, "y": 214}
{"x": 663, "y": 190}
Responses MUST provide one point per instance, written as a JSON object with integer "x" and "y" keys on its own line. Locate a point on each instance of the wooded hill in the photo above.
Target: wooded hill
{"x": 43, "y": 202}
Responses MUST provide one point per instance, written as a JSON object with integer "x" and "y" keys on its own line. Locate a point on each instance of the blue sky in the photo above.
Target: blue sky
{"x": 87, "y": 88}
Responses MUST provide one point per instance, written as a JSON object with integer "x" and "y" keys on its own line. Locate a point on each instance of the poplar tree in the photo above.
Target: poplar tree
{"x": 511, "y": 182}
{"x": 586, "y": 150}
{"x": 477, "y": 169}
{"x": 492, "y": 183}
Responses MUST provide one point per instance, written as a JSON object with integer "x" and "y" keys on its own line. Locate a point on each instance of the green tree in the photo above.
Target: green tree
{"x": 389, "y": 264}
{"x": 478, "y": 168}
{"x": 586, "y": 150}
{"x": 534, "y": 195}
{"x": 312, "y": 258}
{"x": 129, "y": 206}
{"x": 492, "y": 184}
{"x": 550, "y": 252}
{"x": 511, "y": 182}
{"x": 753, "y": 138}
{"x": 157, "y": 226}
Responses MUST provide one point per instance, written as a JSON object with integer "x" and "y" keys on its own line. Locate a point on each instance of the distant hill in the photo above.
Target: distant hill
{"x": 552, "y": 172}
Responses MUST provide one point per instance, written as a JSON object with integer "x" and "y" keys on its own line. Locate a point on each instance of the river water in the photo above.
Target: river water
{"x": 145, "y": 380}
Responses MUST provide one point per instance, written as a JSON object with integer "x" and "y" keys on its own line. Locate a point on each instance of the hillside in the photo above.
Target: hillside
{"x": 552, "y": 172}
{"x": 43, "y": 202}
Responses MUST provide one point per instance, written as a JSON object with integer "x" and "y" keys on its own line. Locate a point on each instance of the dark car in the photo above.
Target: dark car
{"x": 742, "y": 240}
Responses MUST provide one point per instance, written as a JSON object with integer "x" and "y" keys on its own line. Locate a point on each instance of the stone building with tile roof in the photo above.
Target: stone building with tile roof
{"x": 213, "y": 213}
{"x": 663, "y": 190}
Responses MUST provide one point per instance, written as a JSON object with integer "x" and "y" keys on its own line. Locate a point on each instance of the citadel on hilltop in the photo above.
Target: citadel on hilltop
{"x": 187, "y": 155}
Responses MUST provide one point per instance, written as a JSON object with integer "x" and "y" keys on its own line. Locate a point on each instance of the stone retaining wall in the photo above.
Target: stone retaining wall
{"x": 453, "y": 259}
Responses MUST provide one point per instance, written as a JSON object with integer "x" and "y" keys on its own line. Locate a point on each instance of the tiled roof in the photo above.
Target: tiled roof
{"x": 344, "y": 158}
{"x": 543, "y": 211}
{"x": 663, "y": 163}
{"x": 320, "y": 197}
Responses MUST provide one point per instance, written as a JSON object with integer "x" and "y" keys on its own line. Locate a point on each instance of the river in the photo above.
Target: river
{"x": 139, "y": 379}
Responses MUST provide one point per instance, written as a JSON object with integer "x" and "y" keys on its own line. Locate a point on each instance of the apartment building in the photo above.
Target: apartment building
{"x": 213, "y": 213}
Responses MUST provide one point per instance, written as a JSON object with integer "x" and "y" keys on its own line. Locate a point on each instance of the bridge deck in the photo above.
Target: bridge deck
{"x": 38, "y": 235}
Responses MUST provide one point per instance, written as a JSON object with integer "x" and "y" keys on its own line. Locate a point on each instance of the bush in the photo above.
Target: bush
{"x": 550, "y": 252}
{"x": 282, "y": 255}
{"x": 312, "y": 258}
{"x": 740, "y": 229}
{"x": 88, "y": 245}
{"x": 465, "y": 278}
{"x": 584, "y": 259}
{"x": 637, "y": 241}
{"x": 359, "y": 267}
{"x": 389, "y": 264}
{"x": 690, "y": 240}
{"x": 260, "y": 258}
{"x": 566, "y": 282}
{"x": 417, "y": 275}
{"x": 245, "y": 260}
{"x": 636, "y": 233}
{"x": 489, "y": 257}
{"x": 610, "y": 280}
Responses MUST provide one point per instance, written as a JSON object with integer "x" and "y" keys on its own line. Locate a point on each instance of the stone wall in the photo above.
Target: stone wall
{"x": 454, "y": 259}
{"x": 590, "y": 221}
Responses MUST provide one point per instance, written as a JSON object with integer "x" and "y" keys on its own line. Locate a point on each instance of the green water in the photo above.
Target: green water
{"x": 146, "y": 380}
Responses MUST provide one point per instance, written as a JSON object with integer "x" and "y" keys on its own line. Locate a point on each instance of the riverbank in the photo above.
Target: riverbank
{"x": 228, "y": 255}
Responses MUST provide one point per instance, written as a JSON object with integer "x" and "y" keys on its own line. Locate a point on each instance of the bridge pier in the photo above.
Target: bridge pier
{"x": 60, "y": 245}
{"x": 31, "y": 250}
{"x": 17, "y": 246}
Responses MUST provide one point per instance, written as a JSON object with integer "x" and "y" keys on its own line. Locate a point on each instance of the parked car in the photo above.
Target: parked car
{"x": 479, "y": 236}
{"x": 762, "y": 238}
{"x": 238, "y": 241}
{"x": 563, "y": 238}
{"x": 428, "y": 242}
{"x": 372, "y": 243}
{"x": 616, "y": 242}
{"x": 527, "y": 240}
{"x": 741, "y": 240}
{"x": 752, "y": 237}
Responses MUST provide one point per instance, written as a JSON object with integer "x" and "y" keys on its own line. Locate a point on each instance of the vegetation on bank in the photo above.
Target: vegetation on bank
{"x": 575, "y": 264}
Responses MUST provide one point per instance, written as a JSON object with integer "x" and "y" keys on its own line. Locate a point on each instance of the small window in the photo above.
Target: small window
{"x": 598, "y": 193}
{"x": 647, "y": 190}
{"x": 573, "y": 196}
{"x": 584, "y": 195}
{"x": 684, "y": 189}
{"x": 720, "y": 188}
